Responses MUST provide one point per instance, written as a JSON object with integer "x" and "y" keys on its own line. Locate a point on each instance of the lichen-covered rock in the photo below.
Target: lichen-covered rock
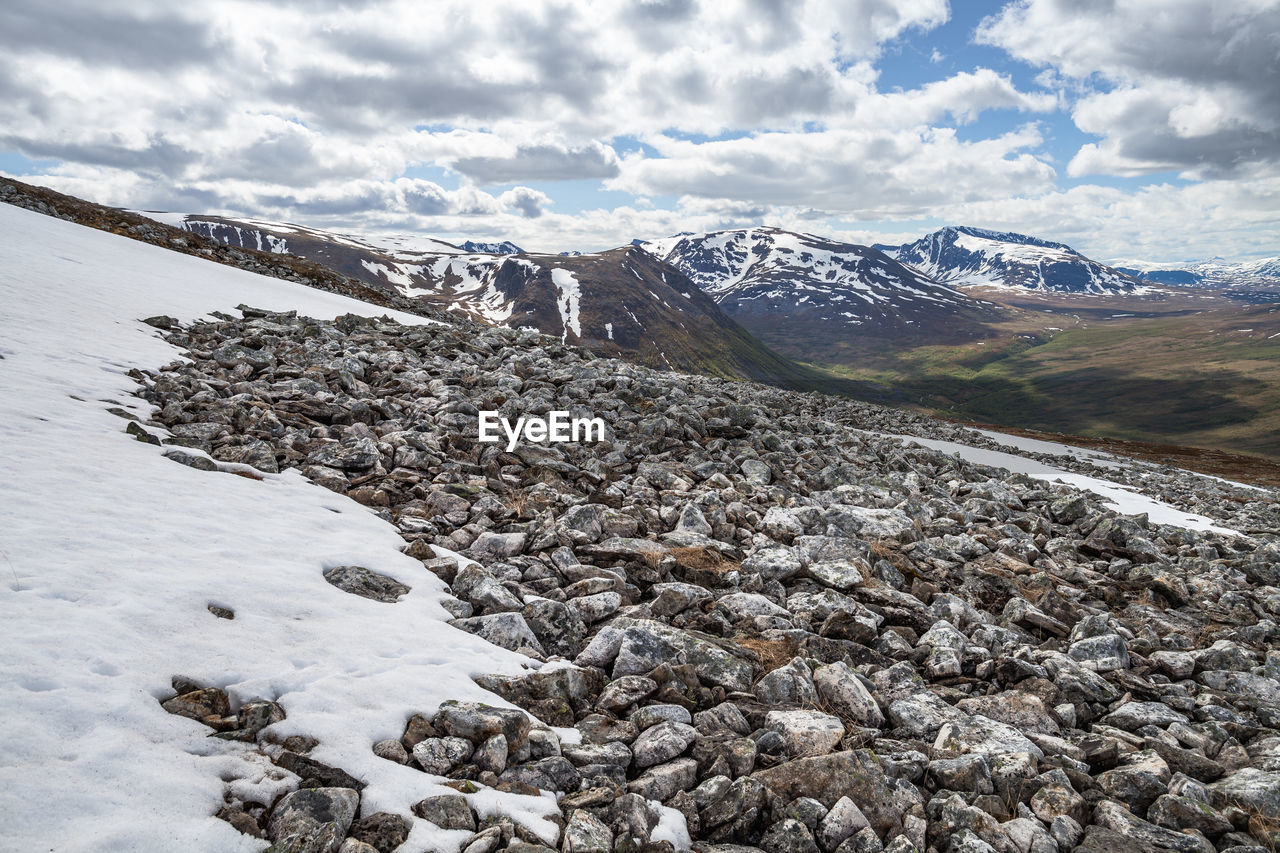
{"x": 313, "y": 819}
{"x": 360, "y": 581}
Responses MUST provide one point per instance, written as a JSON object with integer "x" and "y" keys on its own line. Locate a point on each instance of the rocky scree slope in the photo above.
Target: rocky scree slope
{"x": 800, "y": 636}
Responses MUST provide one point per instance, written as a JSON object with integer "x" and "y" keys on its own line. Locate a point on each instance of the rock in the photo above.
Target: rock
{"x": 842, "y": 821}
{"x": 839, "y": 575}
{"x": 984, "y": 735}
{"x": 672, "y": 598}
{"x": 663, "y": 781}
{"x": 491, "y": 754}
{"x": 790, "y": 685}
{"x": 360, "y": 581}
{"x": 1250, "y": 789}
{"x": 1054, "y": 800}
{"x": 1132, "y": 716}
{"x": 1179, "y": 813}
{"x": 354, "y": 845}
{"x": 440, "y": 755}
{"x": 476, "y": 721}
{"x": 1020, "y": 709}
{"x": 383, "y": 831}
{"x": 554, "y": 773}
{"x": 1104, "y": 653}
{"x": 840, "y": 689}
{"x": 1113, "y": 816}
{"x": 965, "y": 773}
{"x": 313, "y": 819}
{"x": 392, "y": 749}
{"x": 1176, "y": 665}
{"x": 593, "y": 608}
{"x": 209, "y": 703}
{"x": 490, "y": 546}
{"x": 486, "y": 841}
{"x": 308, "y": 768}
{"x": 661, "y": 743}
{"x": 554, "y": 694}
{"x": 585, "y": 833}
{"x": 508, "y": 630}
{"x": 788, "y": 836}
{"x": 855, "y": 774}
{"x": 647, "y": 644}
{"x": 923, "y": 715}
{"x": 558, "y": 627}
{"x": 447, "y": 811}
{"x": 806, "y": 732}
{"x": 776, "y": 563}
{"x": 651, "y": 715}
{"x": 625, "y": 691}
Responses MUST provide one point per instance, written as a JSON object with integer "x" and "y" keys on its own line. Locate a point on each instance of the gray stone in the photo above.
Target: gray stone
{"x": 476, "y": 721}
{"x": 842, "y": 821}
{"x": 507, "y": 630}
{"x": 790, "y": 685}
{"x": 447, "y": 811}
{"x": 664, "y": 781}
{"x": 441, "y": 755}
{"x": 317, "y": 817}
{"x": 585, "y": 833}
{"x": 806, "y": 732}
{"x": 788, "y": 836}
{"x": 360, "y": 581}
{"x": 661, "y": 743}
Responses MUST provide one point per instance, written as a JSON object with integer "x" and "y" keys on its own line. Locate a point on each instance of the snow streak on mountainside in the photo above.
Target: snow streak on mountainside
{"x": 964, "y": 256}
{"x": 767, "y": 271}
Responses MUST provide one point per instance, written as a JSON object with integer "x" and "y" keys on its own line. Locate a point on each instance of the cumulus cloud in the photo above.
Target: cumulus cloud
{"x": 1182, "y": 86}
{"x": 860, "y": 173}
{"x": 745, "y": 111}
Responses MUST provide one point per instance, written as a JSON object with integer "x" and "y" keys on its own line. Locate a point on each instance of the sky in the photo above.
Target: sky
{"x": 1130, "y": 130}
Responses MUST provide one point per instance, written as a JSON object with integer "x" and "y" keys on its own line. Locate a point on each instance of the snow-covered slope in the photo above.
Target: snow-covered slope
{"x": 111, "y": 553}
{"x": 964, "y": 256}
{"x": 768, "y": 271}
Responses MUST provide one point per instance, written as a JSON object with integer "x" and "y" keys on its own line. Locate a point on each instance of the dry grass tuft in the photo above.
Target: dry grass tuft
{"x": 704, "y": 559}
{"x": 772, "y": 653}
{"x": 518, "y": 502}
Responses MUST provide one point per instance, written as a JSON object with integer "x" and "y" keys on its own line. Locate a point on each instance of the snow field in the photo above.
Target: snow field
{"x": 112, "y": 553}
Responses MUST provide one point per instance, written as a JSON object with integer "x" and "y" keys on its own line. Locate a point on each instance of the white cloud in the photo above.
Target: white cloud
{"x": 747, "y": 111}
{"x": 1181, "y": 85}
{"x": 858, "y": 173}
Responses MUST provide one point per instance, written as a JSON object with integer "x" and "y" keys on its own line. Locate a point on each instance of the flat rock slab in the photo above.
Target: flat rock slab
{"x": 360, "y": 581}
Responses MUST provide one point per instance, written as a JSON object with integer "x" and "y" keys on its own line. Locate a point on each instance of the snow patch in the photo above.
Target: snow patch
{"x": 567, "y": 301}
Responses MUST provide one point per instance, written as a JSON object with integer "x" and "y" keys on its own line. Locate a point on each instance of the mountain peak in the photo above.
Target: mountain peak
{"x": 970, "y": 256}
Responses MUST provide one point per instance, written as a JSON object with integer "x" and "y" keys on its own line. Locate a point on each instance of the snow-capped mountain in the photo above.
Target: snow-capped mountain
{"x": 1261, "y": 272}
{"x": 766, "y": 272}
{"x": 622, "y": 302}
{"x": 506, "y": 247}
{"x": 965, "y": 257}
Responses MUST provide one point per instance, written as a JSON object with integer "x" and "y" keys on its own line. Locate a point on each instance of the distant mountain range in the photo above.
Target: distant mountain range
{"x": 623, "y": 302}
{"x": 1264, "y": 272}
{"x": 994, "y": 326}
